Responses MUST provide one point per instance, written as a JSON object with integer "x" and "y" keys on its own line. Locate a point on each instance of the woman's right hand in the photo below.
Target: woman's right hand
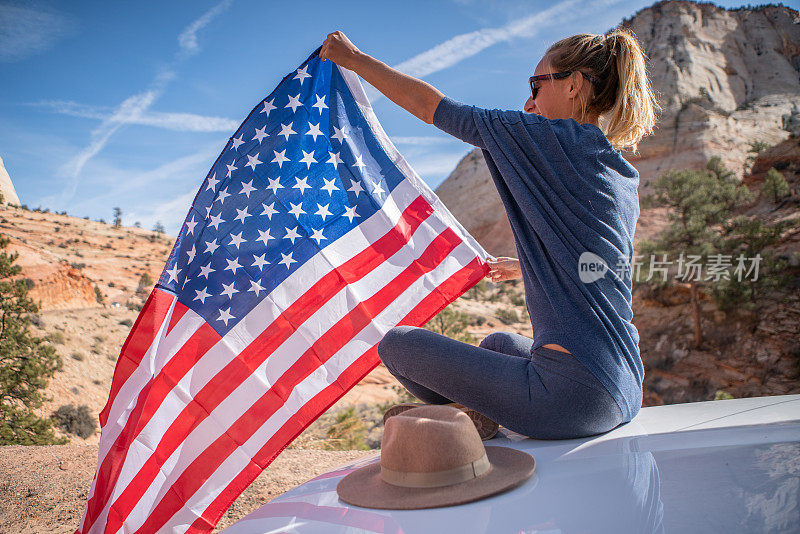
{"x": 503, "y": 268}
{"x": 338, "y": 48}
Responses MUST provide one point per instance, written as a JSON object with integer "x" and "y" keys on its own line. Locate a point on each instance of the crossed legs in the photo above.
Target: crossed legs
{"x": 553, "y": 397}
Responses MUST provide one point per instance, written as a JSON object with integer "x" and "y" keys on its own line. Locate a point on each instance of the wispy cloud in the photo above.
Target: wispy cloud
{"x": 133, "y": 108}
{"x": 423, "y": 140}
{"x": 180, "y": 174}
{"x": 466, "y": 45}
{"x": 181, "y": 122}
{"x": 170, "y": 213}
{"x": 188, "y": 37}
{"x": 26, "y": 29}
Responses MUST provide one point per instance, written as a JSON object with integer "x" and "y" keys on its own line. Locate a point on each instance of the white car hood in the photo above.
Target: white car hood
{"x": 718, "y": 466}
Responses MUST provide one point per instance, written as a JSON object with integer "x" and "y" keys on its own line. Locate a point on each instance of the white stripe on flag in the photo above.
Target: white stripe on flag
{"x": 316, "y": 382}
{"x": 238, "y": 402}
{"x": 247, "y": 330}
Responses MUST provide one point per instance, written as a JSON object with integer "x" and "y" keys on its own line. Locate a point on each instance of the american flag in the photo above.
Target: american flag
{"x": 308, "y": 240}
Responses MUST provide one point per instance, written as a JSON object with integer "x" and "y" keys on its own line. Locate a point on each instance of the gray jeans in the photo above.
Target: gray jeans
{"x": 543, "y": 394}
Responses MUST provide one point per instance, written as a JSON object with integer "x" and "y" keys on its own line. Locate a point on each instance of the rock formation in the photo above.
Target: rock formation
{"x": 9, "y": 194}
{"x": 726, "y": 78}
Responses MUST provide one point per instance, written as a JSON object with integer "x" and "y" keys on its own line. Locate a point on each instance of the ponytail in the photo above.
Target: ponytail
{"x": 622, "y": 96}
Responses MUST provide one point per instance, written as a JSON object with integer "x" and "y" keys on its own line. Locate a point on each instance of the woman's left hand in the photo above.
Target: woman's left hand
{"x": 503, "y": 268}
{"x": 338, "y": 48}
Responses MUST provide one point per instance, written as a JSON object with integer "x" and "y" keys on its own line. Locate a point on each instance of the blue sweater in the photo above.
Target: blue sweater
{"x": 572, "y": 201}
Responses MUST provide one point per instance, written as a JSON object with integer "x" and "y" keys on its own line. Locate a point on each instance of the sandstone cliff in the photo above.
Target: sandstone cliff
{"x": 7, "y": 187}
{"x": 725, "y": 79}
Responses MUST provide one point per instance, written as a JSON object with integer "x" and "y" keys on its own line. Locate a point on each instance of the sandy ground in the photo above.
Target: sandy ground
{"x": 50, "y": 498}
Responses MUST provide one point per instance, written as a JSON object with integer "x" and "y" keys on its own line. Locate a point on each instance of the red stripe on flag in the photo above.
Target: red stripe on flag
{"x": 147, "y": 404}
{"x": 193, "y": 477}
{"x": 137, "y": 343}
{"x": 433, "y": 303}
{"x": 177, "y": 314}
{"x": 254, "y": 355}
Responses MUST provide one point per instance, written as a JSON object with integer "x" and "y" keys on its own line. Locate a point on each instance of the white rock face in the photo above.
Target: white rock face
{"x": 725, "y": 79}
{"x": 6, "y": 187}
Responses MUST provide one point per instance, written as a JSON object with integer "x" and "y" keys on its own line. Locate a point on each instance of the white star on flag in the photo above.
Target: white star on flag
{"x": 228, "y": 290}
{"x": 269, "y": 211}
{"x": 339, "y": 134}
{"x": 320, "y": 104}
{"x": 286, "y": 259}
{"x": 212, "y": 182}
{"x": 259, "y": 261}
{"x": 268, "y": 107}
{"x": 294, "y": 103}
{"x": 247, "y": 188}
{"x": 302, "y": 74}
{"x": 335, "y": 159}
{"x": 286, "y": 130}
{"x": 314, "y": 131}
{"x": 260, "y": 134}
{"x": 308, "y": 158}
{"x": 329, "y": 186}
{"x": 202, "y": 294}
{"x": 280, "y": 157}
{"x": 252, "y": 161}
{"x": 301, "y": 184}
{"x": 216, "y": 220}
{"x": 225, "y": 316}
{"x": 236, "y": 142}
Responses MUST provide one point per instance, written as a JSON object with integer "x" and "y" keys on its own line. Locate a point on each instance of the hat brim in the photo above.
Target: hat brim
{"x": 364, "y": 486}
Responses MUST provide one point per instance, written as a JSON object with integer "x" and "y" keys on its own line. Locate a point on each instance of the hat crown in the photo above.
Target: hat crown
{"x": 430, "y": 438}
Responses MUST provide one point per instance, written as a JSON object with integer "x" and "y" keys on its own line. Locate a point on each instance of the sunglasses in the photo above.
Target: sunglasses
{"x": 554, "y": 76}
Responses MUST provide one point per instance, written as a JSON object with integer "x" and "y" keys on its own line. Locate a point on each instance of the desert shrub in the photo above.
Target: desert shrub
{"x": 477, "y": 291}
{"x": 75, "y": 420}
{"x": 56, "y": 337}
{"x": 145, "y": 283}
{"x": 508, "y": 315}
{"x": 77, "y": 356}
{"x": 451, "y": 323}
{"x": 98, "y": 295}
{"x": 347, "y": 432}
{"x": 126, "y": 322}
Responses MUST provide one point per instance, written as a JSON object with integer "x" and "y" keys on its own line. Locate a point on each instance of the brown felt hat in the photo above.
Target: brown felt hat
{"x": 433, "y": 456}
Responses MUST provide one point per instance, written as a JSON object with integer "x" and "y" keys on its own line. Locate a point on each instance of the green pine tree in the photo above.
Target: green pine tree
{"x": 700, "y": 201}
{"x": 749, "y": 238}
{"x": 775, "y": 185}
{"x": 26, "y": 362}
{"x": 756, "y": 148}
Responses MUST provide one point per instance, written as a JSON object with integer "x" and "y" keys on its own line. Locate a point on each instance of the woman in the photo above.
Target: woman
{"x": 572, "y": 202}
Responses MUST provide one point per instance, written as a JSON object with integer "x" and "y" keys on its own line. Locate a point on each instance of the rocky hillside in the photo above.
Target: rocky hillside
{"x": 725, "y": 79}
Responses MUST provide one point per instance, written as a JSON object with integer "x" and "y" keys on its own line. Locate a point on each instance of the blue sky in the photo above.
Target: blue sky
{"x": 128, "y": 104}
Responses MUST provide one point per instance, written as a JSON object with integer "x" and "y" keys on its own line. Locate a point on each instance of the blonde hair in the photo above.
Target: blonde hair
{"x": 623, "y": 96}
